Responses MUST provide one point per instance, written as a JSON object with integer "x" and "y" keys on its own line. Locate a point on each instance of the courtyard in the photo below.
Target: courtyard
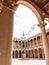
{"x": 28, "y": 62}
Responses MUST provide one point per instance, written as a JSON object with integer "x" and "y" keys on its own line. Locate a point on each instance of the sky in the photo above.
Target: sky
{"x": 25, "y": 22}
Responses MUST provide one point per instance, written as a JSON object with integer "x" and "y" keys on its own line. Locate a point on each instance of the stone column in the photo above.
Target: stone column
{"x": 36, "y": 41}
{"x": 28, "y": 53}
{"x": 43, "y": 55}
{"x": 25, "y": 53}
{"x": 18, "y": 44}
{"x": 9, "y": 40}
{"x": 33, "y": 43}
{"x": 45, "y": 42}
{"x": 38, "y": 53}
{"x": 34, "y": 53}
{"x": 18, "y": 53}
{"x": 30, "y": 43}
{"x": 14, "y": 54}
{"x": 21, "y": 44}
{"x": 27, "y": 44}
{"x": 41, "y": 40}
{"x": 24, "y": 44}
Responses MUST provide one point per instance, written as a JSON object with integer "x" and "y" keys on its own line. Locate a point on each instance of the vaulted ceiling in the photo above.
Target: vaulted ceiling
{"x": 41, "y": 4}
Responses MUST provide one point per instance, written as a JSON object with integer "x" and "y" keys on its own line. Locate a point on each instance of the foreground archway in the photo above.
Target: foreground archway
{"x": 42, "y": 27}
{"x": 6, "y": 36}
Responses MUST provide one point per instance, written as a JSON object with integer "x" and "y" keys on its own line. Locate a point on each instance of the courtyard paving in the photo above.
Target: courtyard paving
{"x": 28, "y": 62}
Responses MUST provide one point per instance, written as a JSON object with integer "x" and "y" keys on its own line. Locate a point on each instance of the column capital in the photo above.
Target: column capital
{"x": 0, "y": 6}
{"x": 42, "y": 24}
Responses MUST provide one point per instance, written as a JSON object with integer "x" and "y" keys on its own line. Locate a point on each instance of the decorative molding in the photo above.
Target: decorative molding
{"x": 0, "y": 7}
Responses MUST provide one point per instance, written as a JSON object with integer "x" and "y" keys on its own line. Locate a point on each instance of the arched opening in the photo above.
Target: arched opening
{"x": 23, "y": 54}
{"x": 29, "y": 53}
{"x": 40, "y": 52}
{"x": 39, "y": 40}
{"x": 20, "y": 54}
{"x": 35, "y": 53}
{"x": 32, "y": 54}
{"x": 13, "y": 54}
{"x": 35, "y": 41}
{"x": 26, "y": 54}
{"x": 16, "y": 54}
{"x": 26, "y": 44}
{"x": 29, "y": 44}
{"x": 19, "y": 44}
{"x": 23, "y": 45}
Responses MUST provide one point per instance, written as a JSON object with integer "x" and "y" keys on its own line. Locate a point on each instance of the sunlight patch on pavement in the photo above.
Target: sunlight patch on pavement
{"x": 28, "y": 62}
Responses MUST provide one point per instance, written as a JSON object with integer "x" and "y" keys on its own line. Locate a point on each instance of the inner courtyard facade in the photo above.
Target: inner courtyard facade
{"x": 29, "y": 48}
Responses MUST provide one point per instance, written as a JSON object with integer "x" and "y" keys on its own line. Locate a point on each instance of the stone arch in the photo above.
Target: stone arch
{"x": 26, "y": 54}
{"x": 23, "y": 54}
{"x": 32, "y": 53}
{"x": 16, "y": 54}
{"x": 32, "y": 42}
{"x": 26, "y": 43}
{"x": 35, "y": 41}
{"x": 36, "y": 53}
{"x": 9, "y": 42}
{"x": 32, "y": 7}
{"x": 38, "y": 40}
{"x": 23, "y": 44}
{"x": 47, "y": 33}
{"x": 34, "y": 10}
{"x": 40, "y": 52}
{"x": 13, "y": 54}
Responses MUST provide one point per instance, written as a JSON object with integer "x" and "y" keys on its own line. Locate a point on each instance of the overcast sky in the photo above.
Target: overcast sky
{"x": 25, "y": 21}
